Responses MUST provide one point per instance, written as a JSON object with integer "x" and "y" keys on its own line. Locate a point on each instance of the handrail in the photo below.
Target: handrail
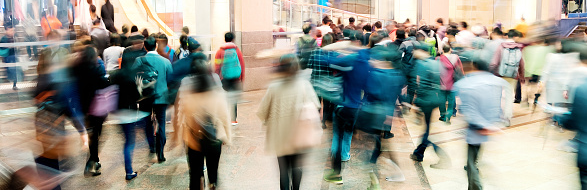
{"x": 157, "y": 20}
{"x": 328, "y": 8}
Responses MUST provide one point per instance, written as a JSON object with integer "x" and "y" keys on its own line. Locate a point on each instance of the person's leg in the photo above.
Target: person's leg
{"x": 212, "y": 154}
{"x": 129, "y": 145}
{"x": 160, "y": 138}
{"x": 338, "y": 133}
{"x": 296, "y": 170}
{"x": 94, "y": 132}
{"x": 377, "y": 149}
{"x": 443, "y": 108}
{"x": 195, "y": 164}
{"x": 346, "y": 143}
{"x": 147, "y": 122}
{"x": 472, "y": 170}
{"x": 284, "y": 170}
{"x": 451, "y": 105}
{"x": 418, "y": 154}
{"x": 518, "y": 97}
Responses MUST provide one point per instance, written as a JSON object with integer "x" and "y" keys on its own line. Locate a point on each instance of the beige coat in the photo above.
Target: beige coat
{"x": 280, "y": 109}
{"x": 193, "y": 109}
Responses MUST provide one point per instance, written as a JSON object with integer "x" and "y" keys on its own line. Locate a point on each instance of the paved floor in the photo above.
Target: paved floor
{"x": 518, "y": 159}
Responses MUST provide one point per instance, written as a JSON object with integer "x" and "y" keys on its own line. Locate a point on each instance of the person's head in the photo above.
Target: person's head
{"x": 96, "y": 22}
{"x": 478, "y": 30}
{"x": 92, "y": 9}
{"x": 367, "y": 28}
{"x": 463, "y": 26}
{"x": 400, "y": 33}
{"x": 307, "y": 28}
{"x": 114, "y": 39}
{"x": 88, "y": 56}
{"x": 201, "y": 76}
{"x": 150, "y": 44}
{"x": 352, "y": 20}
{"x": 124, "y": 29}
{"x": 514, "y": 34}
{"x": 9, "y": 28}
{"x": 185, "y": 30}
{"x": 446, "y": 48}
{"x": 318, "y": 34}
{"x": 326, "y": 21}
{"x": 327, "y": 40}
{"x": 133, "y": 29}
{"x": 412, "y": 32}
{"x": 420, "y": 36}
{"x": 378, "y": 25}
{"x": 452, "y": 32}
{"x": 229, "y": 37}
{"x": 145, "y": 33}
{"x": 496, "y": 33}
{"x": 374, "y": 39}
{"x": 439, "y": 22}
{"x": 53, "y": 35}
{"x": 193, "y": 45}
{"x": 288, "y": 65}
{"x": 162, "y": 39}
{"x": 183, "y": 42}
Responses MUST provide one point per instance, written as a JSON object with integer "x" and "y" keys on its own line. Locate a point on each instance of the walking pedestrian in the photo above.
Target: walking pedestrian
{"x": 230, "y": 66}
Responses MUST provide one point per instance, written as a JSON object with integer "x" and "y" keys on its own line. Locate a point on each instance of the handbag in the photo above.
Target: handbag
{"x": 308, "y": 131}
{"x": 105, "y": 101}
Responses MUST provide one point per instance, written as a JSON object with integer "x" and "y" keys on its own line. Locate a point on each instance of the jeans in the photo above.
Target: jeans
{"x": 472, "y": 170}
{"x": 232, "y": 86}
{"x": 157, "y": 142}
{"x": 290, "y": 169}
{"x": 447, "y": 96}
{"x": 129, "y": 145}
{"x": 94, "y": 131}
{"x": 210, "y": 152}
{"x": 419, "y": 152}
{"x": 344, "y": 119}
{"x": 34, "y": 52}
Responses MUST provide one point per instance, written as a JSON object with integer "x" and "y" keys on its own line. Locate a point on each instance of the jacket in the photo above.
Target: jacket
{"x": 165, "y": 71}
{"x": 107, "y": 13}
{"x": 219, "y": 59}
{"x": 101, "y": 39}
{"x": 89, "y": 77}
{"x": 355, "y": 79}
{"x": 181, "y": 69}
{"x": 448, "y": 70}
{"x": 494, "y": 66}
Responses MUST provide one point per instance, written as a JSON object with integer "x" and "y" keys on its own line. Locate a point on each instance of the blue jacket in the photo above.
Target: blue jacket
{"x": 383, "y": 88}
{"x": 355, "y": 79}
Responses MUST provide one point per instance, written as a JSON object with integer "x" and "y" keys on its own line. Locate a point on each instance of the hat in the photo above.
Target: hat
{"x": 193, "y": 44}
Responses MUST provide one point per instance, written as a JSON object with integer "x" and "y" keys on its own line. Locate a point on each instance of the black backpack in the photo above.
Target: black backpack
{"x": 305, "y": 48}
{"x": 149, "y": 74}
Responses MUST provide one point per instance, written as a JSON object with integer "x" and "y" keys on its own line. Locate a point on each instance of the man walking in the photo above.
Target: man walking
{"x": 230, "y": 66}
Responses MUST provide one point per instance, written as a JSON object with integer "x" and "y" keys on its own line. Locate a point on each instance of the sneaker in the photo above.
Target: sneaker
{"x": 396, "y": 178}
{"x": 388, "y": 135}
{"x": 131, "y": 176}
{"x": 234, "y": 123}
{"x": 92, "y": 169}
{"x": 333, "y": 178}
{"x": 15, "y": 88}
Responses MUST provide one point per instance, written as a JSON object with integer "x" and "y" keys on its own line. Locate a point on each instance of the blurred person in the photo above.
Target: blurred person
{"x": 323, "y": 74}
{"x": 557, "y": 73}
{"x": 576, "y": 122}
{"x": 427, "y": 99}
{"x": 134, "y": 31}
{"x": 183, "y": 49}
{"x": 94, "y": 16}
{"x": 451, "y": 71}
{"x": 113, "y": 53}
{"x": 336, "y": 32}
{"x": 30, "y": 35}
{"x": 145, "y": 33}
{"x": 136, "y": 49}
{"x": 481, "y": 104}
{"x": 340, "y": 24}
{"x": 124, "y": 36}
{"x": 305, "y": 45}
{"x": 157, "y": 104}
{"x": 100, "y": 37}
{"x": 392, "y": 29}
{"x": 490, "y": 47}
{"x": 325, "y": 28}
{"x": 319, "y": 36}
{"x": 407, "y": 23}
{"x": 355, "y": 68}
{"x": 508, "y": 61}
{"x": 13, "y": 73}
{"x": 479, "y": 41}
{"x": 377, "y": 26}
{"x": 206, "y": 122}
{"x": 408, "y": 64}
{"x": 464, "y": 37}
{"x": 280, "y": 112}
{"x": 441, "y": 28}
{"x": 351, "y": 25}
{"x": 49, "y": 22}
{"x": 82, "y": 15}
{"x": 52, "y": 55}
{"x": 534, "y": 61}
{"x": 230, "y": 66}
{"x": 366, "y": 34}
{"x": 522, "y": 27}
{"x": 107, "y": 13}
{"x": 164, "y": 49}
{"x": 400, "y": 37}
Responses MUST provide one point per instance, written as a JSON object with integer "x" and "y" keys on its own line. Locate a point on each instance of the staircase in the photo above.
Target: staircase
{"x": 579, "y": 30}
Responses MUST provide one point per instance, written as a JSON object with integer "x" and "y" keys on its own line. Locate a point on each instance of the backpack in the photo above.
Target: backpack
{"x": 231, "y": 66}
{"x": 510, "y": 62}
{"x": 305, "y": 48}
{"x": 149, "y": 74}
{"x": 431, "y": 42}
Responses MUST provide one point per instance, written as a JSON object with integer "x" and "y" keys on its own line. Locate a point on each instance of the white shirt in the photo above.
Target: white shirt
{"x": 111, "y": 56}
{"x": 325, "y": 29}
{"x": 465, "y": 37}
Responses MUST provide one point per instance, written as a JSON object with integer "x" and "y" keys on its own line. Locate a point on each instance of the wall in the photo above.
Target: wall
{"x": 434, "y": 9}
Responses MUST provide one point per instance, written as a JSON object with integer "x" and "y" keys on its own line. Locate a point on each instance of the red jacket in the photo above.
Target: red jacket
{"x": 219, "y": 59}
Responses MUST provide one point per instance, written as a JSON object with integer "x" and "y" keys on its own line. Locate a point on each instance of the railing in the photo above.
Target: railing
{"x": 292, "y": 15}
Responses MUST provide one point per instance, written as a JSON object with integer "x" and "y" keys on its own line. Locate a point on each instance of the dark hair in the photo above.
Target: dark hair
{"x": 88, "y": 58}
{"x": 514, "y": 33}
{"x": 327, "y": 39}
{"x": 134, "y": 28}
{"x": 307, "y": 28}
{"x": 186, "y": 30}
{"x": 351, "y": 20}
{"x": 97, "y": 21}
{"x": 497, "y": 31}
{"x": 452, "y": 31}
{"x": 377, "y": 24}
{"x": 228, "y": 37}
{"x": 150, "y": 43}
{"x": 400, "y": 33}
{"x": 201, "y": 76}
{"x": 464, "y": 24}
{"x": 145, "y": 33}
{"x": 374, "y": 39}
{"x": 439, "y": 20}
{"x": 446, "y": 48}
{"x": 288, "y": 64}
{"x": 92, "y": 8}
{"x": 367, "y": 27}
{"x": 124, "y": 29}
{"x": 114, "y": 39}
{"x": 326, "y": 19}
{"x": 183, "y": 42}
{"x": 412, "y": 32}
{"x": 318, "y": 33}
{"x": 163, "y": 38}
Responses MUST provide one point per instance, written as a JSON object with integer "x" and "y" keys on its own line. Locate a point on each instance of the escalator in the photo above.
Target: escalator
{"x": 142, "y": 14}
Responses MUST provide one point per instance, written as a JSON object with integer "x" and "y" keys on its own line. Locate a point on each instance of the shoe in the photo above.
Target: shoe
{"x": 234, "y": 123}
{"x": 346, "y": 160}
{"x": 454, "y": 114}
{"x": 388, "y": 135}
{"x": 441, "y": 119}
{"x": 333, "y": 178}
{"x": 396, "y": 178}
{"x": 415, "y": 158}
{"x": 15, "y": 88}
{"x": 161, "y": 158}
{"x": 131, "y": 176}
{"x": 92, "y": 169}
{"x": 517, "y": 101}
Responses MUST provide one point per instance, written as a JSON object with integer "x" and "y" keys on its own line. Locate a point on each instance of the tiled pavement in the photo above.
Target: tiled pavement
{"x": 514, "y": 160}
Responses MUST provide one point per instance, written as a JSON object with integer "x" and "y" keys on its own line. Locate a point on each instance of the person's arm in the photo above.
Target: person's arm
{"x": 341, "y": 62}
{"x": 218, "y": 61}
{"x": 242, "y": 61}
{"x": 521, "y": 71}
{"x": 494, "y": 66}
{"x": 168, "y": 72}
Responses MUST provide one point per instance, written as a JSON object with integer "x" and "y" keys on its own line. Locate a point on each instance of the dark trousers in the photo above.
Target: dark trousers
{"x": 344, "y": 118}
{"x": 94, "y": 128}
{"x": 327, "y": 110}
{"x": 290, "y": 171}
{"x": 472, "y": 170}
{"x": 419, "y": 152}
{"x": 231, "y": 85}
{"x": 34, "y": 52}
{"x": 129, "y": 145}
{"x": 156, "y": 141}
{"x": 518, "y": 96}
{"x": 210, "y": 152}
